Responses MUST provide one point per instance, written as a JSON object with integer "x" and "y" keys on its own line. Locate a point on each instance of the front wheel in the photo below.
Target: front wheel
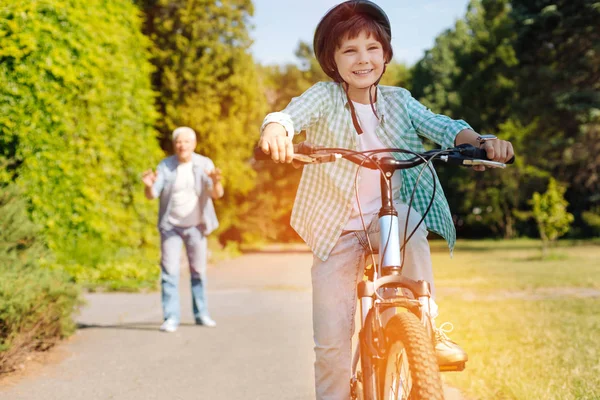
{"x": 410, "y": 370}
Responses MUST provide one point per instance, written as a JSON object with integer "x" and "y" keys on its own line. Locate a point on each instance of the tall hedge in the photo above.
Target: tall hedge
{"x": 76, "y": 113}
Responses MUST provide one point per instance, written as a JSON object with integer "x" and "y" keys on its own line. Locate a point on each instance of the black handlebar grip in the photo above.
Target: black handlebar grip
{"x": 302, "y": 148}
{"x": 305, "y": 148}
{"x": 480, "y": 154}
{"x": 259, "y": 155}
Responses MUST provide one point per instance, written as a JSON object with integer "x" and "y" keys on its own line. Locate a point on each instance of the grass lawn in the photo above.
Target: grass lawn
{"x": 531, "y": 327}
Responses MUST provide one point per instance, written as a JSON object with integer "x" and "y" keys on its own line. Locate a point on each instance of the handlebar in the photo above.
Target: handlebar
{"x": 302, "y": 148}
{"x": 464, "y": 154}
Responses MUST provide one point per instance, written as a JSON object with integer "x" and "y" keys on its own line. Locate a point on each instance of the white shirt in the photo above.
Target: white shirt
{"x": 369, "y": 185}
{"x": 185, "y": 207}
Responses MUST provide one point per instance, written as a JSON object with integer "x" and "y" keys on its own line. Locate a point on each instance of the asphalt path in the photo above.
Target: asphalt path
{"x": 261, "y": 348}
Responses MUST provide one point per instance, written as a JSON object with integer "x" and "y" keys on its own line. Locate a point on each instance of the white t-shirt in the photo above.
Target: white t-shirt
{"x": 369, "y": 186}
{"x": 185, "y": 207}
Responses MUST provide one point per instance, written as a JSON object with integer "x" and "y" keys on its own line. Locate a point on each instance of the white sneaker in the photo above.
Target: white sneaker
{"x": 206, "y": 321}
{"x": 170, "y": 325}
{"x": 448, "y": 352}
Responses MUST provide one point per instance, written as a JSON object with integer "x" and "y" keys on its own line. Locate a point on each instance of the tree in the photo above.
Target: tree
{"x": 396, "y": 74}
{"x": 559, "y": 82}
{"x": 272, "y": 198}
{"x": 550, "y": 213}
{"x": 471, "y": 74}
{"x": 206, "y": 79}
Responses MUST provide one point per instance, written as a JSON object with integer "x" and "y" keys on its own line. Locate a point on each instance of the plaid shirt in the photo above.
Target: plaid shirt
{"x": 324, "y": 199}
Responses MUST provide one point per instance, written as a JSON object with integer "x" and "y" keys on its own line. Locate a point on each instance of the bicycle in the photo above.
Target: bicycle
{"x": 397, "y": 359}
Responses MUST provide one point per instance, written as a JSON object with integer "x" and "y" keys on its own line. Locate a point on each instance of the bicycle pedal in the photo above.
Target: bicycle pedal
{"x": 453, "y": 367}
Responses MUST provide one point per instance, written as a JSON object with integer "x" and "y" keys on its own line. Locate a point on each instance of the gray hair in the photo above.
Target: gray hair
{"x": 183, "y": 130}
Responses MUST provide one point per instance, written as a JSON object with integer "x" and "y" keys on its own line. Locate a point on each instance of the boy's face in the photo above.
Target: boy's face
{"x": 360, "y": 61}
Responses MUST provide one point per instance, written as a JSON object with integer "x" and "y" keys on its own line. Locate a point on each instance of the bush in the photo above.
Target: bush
{"x": 36, "y": 304}
{"x": 36, "y": 308}
{"x": 100, "y": 266}
{"x": 550, "y": 213}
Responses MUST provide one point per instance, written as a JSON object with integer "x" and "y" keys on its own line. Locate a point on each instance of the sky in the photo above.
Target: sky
{"x": 280, "y": 24}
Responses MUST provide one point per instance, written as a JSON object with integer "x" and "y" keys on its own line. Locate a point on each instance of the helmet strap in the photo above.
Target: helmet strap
{"x": 371, "y": 93}
{"x": 352, "y": 110}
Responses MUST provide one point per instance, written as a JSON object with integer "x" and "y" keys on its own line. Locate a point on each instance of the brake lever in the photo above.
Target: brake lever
{"x": 316, "y": 158}
{"x": 303, "y": 158}
{"x": 457, "y": 160}
{"x": 487, "y": 163}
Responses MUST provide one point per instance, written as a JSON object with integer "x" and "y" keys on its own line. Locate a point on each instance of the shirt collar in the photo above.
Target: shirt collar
{"x": 380, "y": 103}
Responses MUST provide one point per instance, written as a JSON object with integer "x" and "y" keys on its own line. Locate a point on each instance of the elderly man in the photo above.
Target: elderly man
{"x": 186, "y": 184}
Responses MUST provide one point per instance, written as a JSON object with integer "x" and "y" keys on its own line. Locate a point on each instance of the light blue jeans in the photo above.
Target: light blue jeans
{"x": 171, "y": 245}
{"x": 334, "y": 298}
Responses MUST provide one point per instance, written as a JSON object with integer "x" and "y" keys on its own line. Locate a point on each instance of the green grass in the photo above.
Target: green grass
{"x": 530, "y": 326}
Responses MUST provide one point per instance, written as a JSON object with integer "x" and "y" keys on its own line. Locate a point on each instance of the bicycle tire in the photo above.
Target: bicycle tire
{"x": 410, "y": 370}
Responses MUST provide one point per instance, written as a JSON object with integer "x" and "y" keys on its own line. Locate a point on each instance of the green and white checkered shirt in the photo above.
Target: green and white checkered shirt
{"x": 324, "y": 199}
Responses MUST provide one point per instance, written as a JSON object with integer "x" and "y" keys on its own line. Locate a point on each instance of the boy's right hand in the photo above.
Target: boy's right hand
{"x": 274, "y": 141}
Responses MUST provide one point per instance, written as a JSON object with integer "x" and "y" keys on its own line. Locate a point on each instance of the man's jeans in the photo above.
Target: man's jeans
{"x": 195, "y": 245}
{"x": 334, "y": 298}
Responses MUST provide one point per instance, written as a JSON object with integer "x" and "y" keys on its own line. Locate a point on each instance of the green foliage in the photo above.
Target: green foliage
{"x": 592, "y": 219}
{"x": 36, "y": 304}
{"x": 98, "y": 265}
{"x": 19, "y": 236}
{"x": 550, "y": 212}
{"x": 470, "y": 72}
{"x": 524, "y": 70}
{"x": 469, "y": 75}
{"x": 558, "y": 52}
{"x": 396, "y": 74}
{"x": 76, "y": 112}
{"x": 267, "y": 210}
{"x": 309, "y": 65}
{"x": 501, "y": 195}
{"x": 207, "y": 80}
{"x": 36, "y": 309}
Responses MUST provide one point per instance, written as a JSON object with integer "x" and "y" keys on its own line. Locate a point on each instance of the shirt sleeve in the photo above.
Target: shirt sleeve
{"x": 207, "y": 182}
{"x": 302, "y": 112}
{"x": 159, "y": 183}
{"x": 436, "y": 127}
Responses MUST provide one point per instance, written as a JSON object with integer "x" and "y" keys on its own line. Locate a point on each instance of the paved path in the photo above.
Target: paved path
{"x": 261, "y": 348}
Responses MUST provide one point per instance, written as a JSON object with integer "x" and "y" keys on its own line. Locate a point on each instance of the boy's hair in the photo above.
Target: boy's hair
{"x": 348, "y": 20}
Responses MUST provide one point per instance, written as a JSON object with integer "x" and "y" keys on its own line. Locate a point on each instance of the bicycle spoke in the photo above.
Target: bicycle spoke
{"x": 405, "y": 374}
{"x": 399, "y": 381}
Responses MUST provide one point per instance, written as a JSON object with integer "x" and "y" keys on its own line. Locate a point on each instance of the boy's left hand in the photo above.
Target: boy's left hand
{"x": 497, "y": 150}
